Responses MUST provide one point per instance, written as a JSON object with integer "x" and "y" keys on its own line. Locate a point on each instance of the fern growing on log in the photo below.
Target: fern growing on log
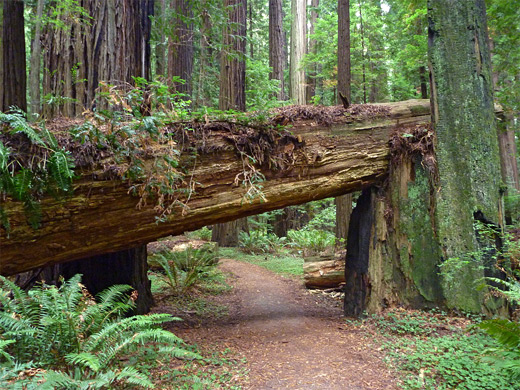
{"x": 43, "y": 167}
{"x": 61, "y": 338}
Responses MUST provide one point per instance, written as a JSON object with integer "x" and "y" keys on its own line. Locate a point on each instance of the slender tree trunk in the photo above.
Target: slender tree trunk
{"x": 344, "y": 202}
{"x": 276, "y": 45}
{"x": 160, "y": 49}
{"x": 311, "y": 77}
{"x": 34, "y": 74}
{"x": 344, "y": 72}
{"x": 203, "y": 98}
{"x": 424, "y": 85}
{"x": 180, "y": 50}
{"x": 13, "y": 81}
{"x": 298, "y": 49}
{"x": 363, "y": 55}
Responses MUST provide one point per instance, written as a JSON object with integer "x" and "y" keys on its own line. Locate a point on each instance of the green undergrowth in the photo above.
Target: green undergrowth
{"x": 220, "y": 370}
{"x": 431, "y": 350}
{"x": 281, "y": 263}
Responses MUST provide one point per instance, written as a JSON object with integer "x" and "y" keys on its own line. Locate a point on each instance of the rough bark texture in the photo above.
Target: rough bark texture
{"x": 277, "y": 45}
{"x": 313, "y": 68}
{"x": 467, "y": 148}
{"x": 36, "y": 51}
{"x": 102, "y": 217}
{"x": 323, "y": 272}
{"x": 160, "y": 49}
{"x": 232, "y": 61}
{"x": 180, "y": 47}
{"x": 113, "y": 49}
{"x": 344, "y": 74}
{"x": 13, "y": 79}
{"x": 298, "y": 50}
{"x": 343, "y": 211}
{"x": 508, "y": 153}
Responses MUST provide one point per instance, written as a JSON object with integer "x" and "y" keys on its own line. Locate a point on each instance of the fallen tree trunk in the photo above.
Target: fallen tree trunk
{"x": 347, "y": 154}
{"x": 324, "y": 271}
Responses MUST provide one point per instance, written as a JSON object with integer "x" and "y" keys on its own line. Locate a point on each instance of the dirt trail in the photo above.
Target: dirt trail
{"x": 290, "y": 340}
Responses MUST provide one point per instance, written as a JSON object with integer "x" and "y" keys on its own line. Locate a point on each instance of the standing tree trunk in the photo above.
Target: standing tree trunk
{"x": 467, "y": 148}
{"x": 426, "y": 213}
{"x": 112, "y": 47}
{"x": 34, "y": 74}
{"x": 343, "y": 203}
{"x": 277, "y": 45}
{"x": 203, "y": 98}
{"x": 180, "y": 50}
{"x": 232, "y": 58}
{"x": 298, "y": 49}
{"x": 13, "y": 79}
{"x": 232, "y": 94}
{"x": 160, "y": 48}
{"x": 311, "y": 77}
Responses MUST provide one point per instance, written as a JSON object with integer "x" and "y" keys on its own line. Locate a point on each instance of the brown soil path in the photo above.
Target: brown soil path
{"x": 290, "y": 338}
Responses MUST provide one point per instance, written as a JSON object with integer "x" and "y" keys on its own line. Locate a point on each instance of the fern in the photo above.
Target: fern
{"x": 78, "y": 342}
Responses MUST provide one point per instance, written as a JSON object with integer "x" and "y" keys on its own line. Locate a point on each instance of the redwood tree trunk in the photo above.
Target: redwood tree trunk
{"x": 277, "y": 45}
{"x": 298, "y": 50}
{"x": 112, "y": 47}
{"x": 232, "y": 94}
{"x": 180, "y": 51}
{"x": 13, "y": 79}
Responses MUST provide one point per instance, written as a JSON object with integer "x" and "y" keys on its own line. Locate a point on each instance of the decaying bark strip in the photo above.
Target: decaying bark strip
{"x": 338, "y": 157}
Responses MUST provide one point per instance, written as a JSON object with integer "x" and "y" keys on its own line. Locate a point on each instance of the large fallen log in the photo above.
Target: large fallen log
{"x": 347, "y": 153}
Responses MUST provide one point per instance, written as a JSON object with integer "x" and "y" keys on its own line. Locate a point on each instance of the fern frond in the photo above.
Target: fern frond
{"x": 133, "y": 376}
{"x": 61, "y": 169}
{"x": 84, "y": 359}
{"x": 6, "y": 355}
{"x": 16, "y": 120}
{"x": 180, "y": 353}
{"x": 506, "y": 332}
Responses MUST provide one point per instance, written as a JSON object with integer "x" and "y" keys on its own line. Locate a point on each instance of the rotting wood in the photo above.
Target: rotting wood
{"x": 343, "y": 156}
{"x": 324, "y": 271}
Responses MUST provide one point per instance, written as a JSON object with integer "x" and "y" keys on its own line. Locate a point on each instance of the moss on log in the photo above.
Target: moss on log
{"x": 346, "y": 154}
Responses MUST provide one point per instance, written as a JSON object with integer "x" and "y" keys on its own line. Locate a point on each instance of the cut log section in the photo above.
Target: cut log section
{"x": 324, "y": 271}
{"x": 345, "y": 155}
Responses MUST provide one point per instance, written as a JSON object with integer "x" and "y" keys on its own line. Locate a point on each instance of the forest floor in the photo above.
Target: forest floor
{"x": 283, "y": 337}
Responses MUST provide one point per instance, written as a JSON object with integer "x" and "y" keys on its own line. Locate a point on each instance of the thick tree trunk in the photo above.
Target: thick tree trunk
{"x": 13, "y": 79}
{"x": 203, "y": 98}
{"x": 34, "y": 75}
{"x": 343, "y": 211}
{"x": 298, "y": 50}
{"x": 180, "y": 48}
{"x": 113, "y": 49}
{"x": 345, "y": 157}
{"x": 277, "y": 45}
{"x": 467, "y": 147}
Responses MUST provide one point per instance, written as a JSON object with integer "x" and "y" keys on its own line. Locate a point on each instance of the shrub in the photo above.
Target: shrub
{"x": 257, "y": 241}
{"x": 77, "y": 341}
{"x": 311, "y": 241}
{"x": 185, "y": 269}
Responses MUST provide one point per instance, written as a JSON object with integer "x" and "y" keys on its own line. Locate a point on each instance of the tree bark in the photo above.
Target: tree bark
{"x": 232, "y": 61}
{"x": 160, "y": 48}
{"x": 298, "y": 50}
{"x": 313, "y": 71}
{"x": 232, "y": 95}
{"x": 333, "y": 160}
{"x": 277, "y": 45}
{"x": 13, "y": 80}
{"x": 344, "y": 74}
{"x": 180, "y": 48}
{"x": 36, "y": 52}
{"x": 323, "y": 272}
{"x": 467, "y": 148}
{"x": 114, "y": 49}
